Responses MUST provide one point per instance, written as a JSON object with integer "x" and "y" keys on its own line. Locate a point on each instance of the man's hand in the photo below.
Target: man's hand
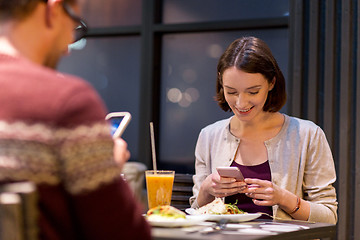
{"x": 121, "y": 153}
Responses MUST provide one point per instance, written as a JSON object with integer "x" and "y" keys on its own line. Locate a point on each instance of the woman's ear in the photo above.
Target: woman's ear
{"x": 272, "y": 84}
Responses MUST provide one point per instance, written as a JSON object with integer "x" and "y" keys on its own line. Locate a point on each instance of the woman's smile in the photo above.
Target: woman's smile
{"x": 245, "y": 93}
{"x": 244, "y": 110}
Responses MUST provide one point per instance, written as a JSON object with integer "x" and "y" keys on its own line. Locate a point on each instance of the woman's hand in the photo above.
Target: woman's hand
{"x": 223, "y": 186}
{"x": 216, "y": 186}
{"x": 121, "y": 153}
{"x": 263, "y": 192}
{"x": 266, "y": 193}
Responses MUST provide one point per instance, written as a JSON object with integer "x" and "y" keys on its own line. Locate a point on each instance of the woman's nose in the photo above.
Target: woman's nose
{"x": 241, "y": 99}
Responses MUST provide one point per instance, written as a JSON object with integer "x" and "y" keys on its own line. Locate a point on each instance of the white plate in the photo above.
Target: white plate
{"x": 253, "y": 231}
{"x": 282, "y": 227}
{"x": 191, "y": 211}
{"x": 175, "y": 222}
{"x": 215, "y": 217}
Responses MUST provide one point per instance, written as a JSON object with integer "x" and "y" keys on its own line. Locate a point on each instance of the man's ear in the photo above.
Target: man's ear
{"x": 51, "y": 6}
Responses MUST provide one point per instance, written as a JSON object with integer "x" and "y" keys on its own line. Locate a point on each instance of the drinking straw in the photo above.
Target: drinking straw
{"x": 153, "y": 146}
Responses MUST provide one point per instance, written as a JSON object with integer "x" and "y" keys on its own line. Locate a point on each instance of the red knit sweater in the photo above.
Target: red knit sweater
{"x": 52, "y": 132}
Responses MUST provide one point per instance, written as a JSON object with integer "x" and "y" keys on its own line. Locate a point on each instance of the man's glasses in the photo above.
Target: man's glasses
{"x": 81, "y": 29}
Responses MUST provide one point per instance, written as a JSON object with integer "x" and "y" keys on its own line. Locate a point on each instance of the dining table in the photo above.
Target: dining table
{"x": 257, "y": 229}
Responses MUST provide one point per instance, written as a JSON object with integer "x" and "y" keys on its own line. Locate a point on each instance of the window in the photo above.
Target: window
{"x": 186, "y": 11}
{"x": 111, "y": 65}
{"x": 112, "y": 13}
{"x": 188, "y": 86}
{"x": 168, "y": 50}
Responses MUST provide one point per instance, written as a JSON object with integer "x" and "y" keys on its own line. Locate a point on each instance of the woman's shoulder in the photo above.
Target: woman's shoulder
{"x": 296, "y": 129}
{"x": 304, "y": 123}
{"x": 216, "y": 126}
{"x": 213, "y": 133}
{"x": 301, "y": 125}
{"x": 215, "y": 130}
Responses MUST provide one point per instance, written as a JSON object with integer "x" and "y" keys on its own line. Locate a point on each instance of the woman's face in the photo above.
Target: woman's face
{"x": 245, "y": 93}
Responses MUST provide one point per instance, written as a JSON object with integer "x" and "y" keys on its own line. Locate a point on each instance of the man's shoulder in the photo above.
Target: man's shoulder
{"x": 51, "y": 93}
{"x": 62, "y": 84}
{"x": 60, "y": 78}
{"x": 26, "y": 72}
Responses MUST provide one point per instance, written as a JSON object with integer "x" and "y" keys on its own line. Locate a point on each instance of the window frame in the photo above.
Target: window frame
{"x": 151, "y": 32}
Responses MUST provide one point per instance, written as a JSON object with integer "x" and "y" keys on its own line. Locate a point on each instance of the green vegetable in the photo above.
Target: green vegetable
{"x": 232, "y": 208}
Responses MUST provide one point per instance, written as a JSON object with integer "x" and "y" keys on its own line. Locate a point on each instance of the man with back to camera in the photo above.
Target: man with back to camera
{"x": 53, "y": 132}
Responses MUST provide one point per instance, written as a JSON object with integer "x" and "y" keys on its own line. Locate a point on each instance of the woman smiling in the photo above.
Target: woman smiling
{"x": 286, "y": 161}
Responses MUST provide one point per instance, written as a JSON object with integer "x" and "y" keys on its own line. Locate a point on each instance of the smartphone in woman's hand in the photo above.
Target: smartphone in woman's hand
{"x": 230, "y": 172}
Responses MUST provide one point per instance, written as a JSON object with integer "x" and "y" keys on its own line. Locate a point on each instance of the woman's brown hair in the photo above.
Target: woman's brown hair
{"x": 252, "y": 55}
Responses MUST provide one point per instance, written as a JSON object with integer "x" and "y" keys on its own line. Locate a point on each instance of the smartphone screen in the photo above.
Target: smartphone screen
{"x": 115, "y": 123}
{"x": 118, "y": 121}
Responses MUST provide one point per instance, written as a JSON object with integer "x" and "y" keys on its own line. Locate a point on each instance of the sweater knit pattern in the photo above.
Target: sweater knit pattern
{"x": 53, "y": 133}
{"x": 31, "y": 153}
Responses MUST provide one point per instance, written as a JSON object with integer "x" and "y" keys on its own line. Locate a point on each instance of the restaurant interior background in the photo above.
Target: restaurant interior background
{"x": 157, "y": 60}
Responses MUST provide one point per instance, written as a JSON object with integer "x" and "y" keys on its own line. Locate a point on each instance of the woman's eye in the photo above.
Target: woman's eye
{"x": 254, "y": 93}
{"x": 231, "y": 93}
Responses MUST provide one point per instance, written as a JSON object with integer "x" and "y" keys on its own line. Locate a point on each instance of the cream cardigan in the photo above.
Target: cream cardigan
{"x": 300, "y": 161}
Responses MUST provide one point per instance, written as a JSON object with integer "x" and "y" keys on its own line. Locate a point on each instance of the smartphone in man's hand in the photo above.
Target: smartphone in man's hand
{"x": 119, "y": 121}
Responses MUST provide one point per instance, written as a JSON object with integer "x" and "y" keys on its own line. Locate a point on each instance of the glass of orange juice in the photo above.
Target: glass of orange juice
{"x": 159, "y": 186}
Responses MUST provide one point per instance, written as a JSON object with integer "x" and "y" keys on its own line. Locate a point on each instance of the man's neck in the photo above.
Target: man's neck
{"x": 6, "y": 47}
{"x": 21, "y": 39}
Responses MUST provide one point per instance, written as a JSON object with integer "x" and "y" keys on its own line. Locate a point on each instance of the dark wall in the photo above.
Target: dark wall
{"x": 324, "y": 53}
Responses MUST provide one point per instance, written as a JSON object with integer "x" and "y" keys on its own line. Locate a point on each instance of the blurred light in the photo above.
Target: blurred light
{"x": 102, "y": 81}
{"x": 189, "y": 75}
{"x": 187, "y": 97}
{"x": 170, "y": 69}
{"x": 193, "y": 93}
{"x": 174, "y": 95}
{"x": 185, "y": 101}
{"x": 215, "y": 51}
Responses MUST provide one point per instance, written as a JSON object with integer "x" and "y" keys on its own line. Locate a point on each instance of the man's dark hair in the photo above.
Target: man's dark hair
{"x": 252, "y": 55}
{"x": 19, "y": 9}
